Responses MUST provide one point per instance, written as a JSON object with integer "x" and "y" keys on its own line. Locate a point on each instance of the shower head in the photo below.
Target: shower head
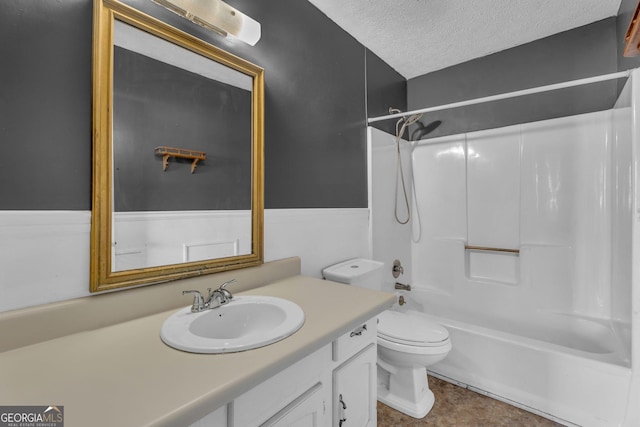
{"x": 424, "y": 130}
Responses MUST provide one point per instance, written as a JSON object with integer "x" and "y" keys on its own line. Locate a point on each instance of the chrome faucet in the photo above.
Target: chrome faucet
{"x": 220, "y": 296}
{"x": 223, "y": 289}
{"x": 198, "y": 302}
{"x": 403, "y": 287}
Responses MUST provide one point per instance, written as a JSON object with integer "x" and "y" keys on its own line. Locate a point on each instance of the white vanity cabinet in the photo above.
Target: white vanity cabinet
{"x": 300, "y": 392}
{"x": 300, "y": 396}
{"x": 355, "y": 378}
{"x": 217, "y": 418}
{"x": 354, "y": 390}
{"x": 309, "y": 410}
{"x": 309, "y": 392}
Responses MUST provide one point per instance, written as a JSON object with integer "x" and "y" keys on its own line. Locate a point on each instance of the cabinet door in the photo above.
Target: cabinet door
{"x": 306, "y": 411}
{"x": 268, "y": 398}
{"x": 354, "y": 390}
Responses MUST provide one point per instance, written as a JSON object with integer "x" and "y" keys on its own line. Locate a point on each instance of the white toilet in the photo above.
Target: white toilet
{"x": 408, "y": 342}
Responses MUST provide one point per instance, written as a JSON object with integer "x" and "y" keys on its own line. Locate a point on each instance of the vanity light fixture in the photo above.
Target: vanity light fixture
{"x": 216, "y": 16}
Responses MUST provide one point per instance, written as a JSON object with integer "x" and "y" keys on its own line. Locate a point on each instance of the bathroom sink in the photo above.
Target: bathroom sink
{"x": 245, "y": 323}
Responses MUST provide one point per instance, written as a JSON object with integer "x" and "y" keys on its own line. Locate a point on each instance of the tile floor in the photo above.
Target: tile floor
{"x": 459, "y": 407}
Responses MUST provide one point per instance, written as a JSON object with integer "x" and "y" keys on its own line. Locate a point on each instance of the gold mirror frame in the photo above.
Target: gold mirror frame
{"x": 102, "y": 277}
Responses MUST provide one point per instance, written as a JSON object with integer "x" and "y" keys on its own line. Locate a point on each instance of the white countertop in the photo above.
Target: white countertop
{"x": 124, "y": 374}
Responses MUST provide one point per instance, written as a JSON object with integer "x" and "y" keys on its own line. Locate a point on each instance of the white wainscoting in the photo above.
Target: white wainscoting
{"x": 162, "y": 238}
{"x": 321, "y": 237}
{"x": 44, "y": 255}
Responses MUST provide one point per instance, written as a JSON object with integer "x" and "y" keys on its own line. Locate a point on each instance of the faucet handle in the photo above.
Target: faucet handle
{"x": 224, "y": 291}
{"x": 212, "y": 297}
{"x": 198, "y": 301}
{"x": 227, "y": 283}
{"x": 397, "y": 269}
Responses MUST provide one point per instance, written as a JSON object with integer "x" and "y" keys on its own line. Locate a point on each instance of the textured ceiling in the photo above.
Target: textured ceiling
{"x": 416, "y": 37}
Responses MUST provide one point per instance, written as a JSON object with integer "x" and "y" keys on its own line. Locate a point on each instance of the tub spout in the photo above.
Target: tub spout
{"x": 402, "y": 286}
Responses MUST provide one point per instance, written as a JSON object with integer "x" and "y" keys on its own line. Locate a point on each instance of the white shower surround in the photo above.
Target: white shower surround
{"x": 540, "y": 188}
{"x": 524, "y": 328}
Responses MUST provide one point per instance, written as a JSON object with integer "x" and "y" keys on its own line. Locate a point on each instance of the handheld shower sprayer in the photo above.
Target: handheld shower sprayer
{"x": 401, "y": 125}
{"x": 406, "y": 121}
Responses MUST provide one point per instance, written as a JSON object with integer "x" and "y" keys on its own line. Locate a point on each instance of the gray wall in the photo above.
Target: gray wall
{"x": 174, "y": 107}
{"x": 318, "y": 94}
{"x": 582, "y": 52}
{"x": 315, "y": 112}
{"x": 45, "y": 104}
{"x": 386, "y": 88}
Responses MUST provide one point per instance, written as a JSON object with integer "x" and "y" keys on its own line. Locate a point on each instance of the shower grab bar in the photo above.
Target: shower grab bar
{"x": 490, "y": 249}
{"x": 506, "y": 95}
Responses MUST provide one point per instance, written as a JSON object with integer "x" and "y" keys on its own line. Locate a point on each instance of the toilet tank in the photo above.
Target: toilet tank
{"x": 365, "y": 273}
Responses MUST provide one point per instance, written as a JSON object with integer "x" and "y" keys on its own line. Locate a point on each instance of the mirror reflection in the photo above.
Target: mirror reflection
{"x": 168, "y": 100}
{"x": 177, "y": 153}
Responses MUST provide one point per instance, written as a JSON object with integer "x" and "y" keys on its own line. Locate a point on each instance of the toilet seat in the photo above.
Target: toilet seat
{"x": 435, "y": 349}
{"x": 411, "y": 329}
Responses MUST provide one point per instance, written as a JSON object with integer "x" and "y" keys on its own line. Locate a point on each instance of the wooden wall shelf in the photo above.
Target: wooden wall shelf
{"x": 167, "y": 152}
{"x": 632, "y": 37}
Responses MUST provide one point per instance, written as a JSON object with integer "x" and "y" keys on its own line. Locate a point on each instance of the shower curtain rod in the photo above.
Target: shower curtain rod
{"x": 517, "y": 93}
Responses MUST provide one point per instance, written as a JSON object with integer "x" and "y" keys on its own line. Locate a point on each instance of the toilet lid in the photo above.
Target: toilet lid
{"x": 410, "y": 328}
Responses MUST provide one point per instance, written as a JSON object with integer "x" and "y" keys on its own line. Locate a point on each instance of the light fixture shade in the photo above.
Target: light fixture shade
{"x": 217, "y": 16}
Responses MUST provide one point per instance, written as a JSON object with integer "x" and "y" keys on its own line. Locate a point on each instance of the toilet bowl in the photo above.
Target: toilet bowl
{"x": 408, "y": 342}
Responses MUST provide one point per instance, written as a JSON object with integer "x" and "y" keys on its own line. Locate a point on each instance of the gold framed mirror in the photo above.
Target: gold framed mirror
{"x": 177, "y": 153}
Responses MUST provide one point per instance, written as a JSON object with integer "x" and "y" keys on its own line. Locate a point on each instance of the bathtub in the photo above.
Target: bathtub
{"x": 566, "y": 368}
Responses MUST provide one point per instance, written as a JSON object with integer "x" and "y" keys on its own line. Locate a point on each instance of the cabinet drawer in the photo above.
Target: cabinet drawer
{"x": 355, "y": 340}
